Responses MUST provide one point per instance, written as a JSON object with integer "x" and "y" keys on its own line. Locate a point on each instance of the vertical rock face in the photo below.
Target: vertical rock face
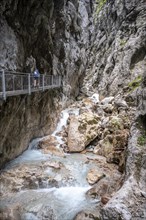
{"x": 117, "y": 63}
{"x": 118, "y": 53}
{"x": 130, "y": 201}
{"x": 23, "y": 118}
{"x": 56, "y": 33}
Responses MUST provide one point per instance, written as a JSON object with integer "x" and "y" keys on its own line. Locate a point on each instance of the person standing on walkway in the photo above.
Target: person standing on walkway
{"x": 36, "y": 76}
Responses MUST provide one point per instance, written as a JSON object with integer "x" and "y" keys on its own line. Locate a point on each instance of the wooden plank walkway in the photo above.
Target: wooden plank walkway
{"x": 14, "y": 83}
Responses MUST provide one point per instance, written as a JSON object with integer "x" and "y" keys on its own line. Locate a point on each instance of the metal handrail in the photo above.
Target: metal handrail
{"x": 16, "y": 83}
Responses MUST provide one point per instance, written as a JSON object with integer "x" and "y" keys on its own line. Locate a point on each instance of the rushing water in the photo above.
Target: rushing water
{"x": 69, "y": 197}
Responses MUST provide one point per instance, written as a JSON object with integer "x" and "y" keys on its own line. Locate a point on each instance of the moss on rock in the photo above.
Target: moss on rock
{"x": 135, "y": 83}
{"x": 100, "y": 4}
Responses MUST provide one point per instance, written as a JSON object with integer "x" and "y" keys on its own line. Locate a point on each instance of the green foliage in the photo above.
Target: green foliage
{"x": 122, "y": 42}
{"x": 100, "y": 4}
{"x": 142, "y": 139}
{"x": 135, "y": 83}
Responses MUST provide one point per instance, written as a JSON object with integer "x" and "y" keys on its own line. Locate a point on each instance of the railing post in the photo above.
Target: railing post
{"x": 4, "y": 84}
{"x": 43, "y": 81}
{"x": 52, "y": 80}
{"x": 22, "y": 79}
{"x": 13, "y": 83}
{"x": 29, "y": 86}
{"x": 59, "y": 81}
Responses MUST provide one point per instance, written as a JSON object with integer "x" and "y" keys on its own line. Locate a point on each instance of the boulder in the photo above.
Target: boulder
{"x": 105, "y": 199}
{"x": 107, "y": 100}
{"x": 95, "y": 98}
{"x": 94, "y": 176}
{"x": 121, "y": 103}
{"x": 82, "y": 130}
{"x": 113, "y": 141}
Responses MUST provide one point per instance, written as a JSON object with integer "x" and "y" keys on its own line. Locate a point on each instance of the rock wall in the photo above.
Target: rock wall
{"x": 23, "y": 118}
{"x": 56, "y": 33}
{"x": 130, "y": 201}
{"x": 116, "y": 65}
{"x": 118, "y": 53}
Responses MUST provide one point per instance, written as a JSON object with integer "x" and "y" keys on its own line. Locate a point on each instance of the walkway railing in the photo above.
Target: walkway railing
{"x": 15, "y": 83}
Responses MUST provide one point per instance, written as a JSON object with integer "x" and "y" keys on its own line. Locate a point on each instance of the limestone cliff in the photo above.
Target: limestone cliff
{"x": 57, "y": 34}
{"x": 116, "y": 66}
{"x": 118, "y": 52}
{"x": 23, "y": 118}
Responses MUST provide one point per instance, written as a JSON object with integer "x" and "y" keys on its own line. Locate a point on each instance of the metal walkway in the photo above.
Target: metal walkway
{"x": 16, "y": 83}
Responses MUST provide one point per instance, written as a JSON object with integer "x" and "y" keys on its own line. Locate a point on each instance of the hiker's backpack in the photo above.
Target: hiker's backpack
{"x": 36, "y": 73}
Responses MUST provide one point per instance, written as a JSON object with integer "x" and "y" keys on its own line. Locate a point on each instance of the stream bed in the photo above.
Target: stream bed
{"x": 40, "y": 186}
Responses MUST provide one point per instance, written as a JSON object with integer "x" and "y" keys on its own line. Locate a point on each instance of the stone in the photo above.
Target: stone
{"x": 108, "y": 108}
{"x": 121, "y": 103}
{"x": 95, "y": 98}
{"x": 12, "y": 213}
{"x": 94, "y": 176}
{"x": 107, "y": 100}
{"x": 82, "y": 130}
{"x": 105, "y": 199}
{"x": 49, "y": 146}
{"x": 45, "y": 212}
{"x": 86, "y": 215}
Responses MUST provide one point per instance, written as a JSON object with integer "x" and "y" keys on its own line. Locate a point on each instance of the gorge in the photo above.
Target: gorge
{"x": 77, "y": 152}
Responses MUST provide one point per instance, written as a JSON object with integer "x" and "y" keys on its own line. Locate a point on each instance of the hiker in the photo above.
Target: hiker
{"x": 36, "y": 76}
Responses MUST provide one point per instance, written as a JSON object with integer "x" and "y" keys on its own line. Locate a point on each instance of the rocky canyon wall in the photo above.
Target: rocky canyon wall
{"x": 117, "y": 58}
{"x": 57, "y": 33}
{"x": 23, "y": 118}
{"x": 117, "y": 65}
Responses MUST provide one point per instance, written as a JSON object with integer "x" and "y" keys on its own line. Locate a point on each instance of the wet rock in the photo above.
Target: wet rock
{"x": 105, "y": 199}
{"x": 29, "y": 177}
{"x": 49, "y": 146}
{"x": 45, "y": 213}
{"x": 94, "y": 176}
{"x": 13, "y": 213}
{"x": 53, "y": 164}
{"x": 86, "y": 215}
{"x": 107, "y": 186}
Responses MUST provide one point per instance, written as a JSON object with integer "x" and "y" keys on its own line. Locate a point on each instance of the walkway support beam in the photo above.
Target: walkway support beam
{"x": 29, "y": 85}
{"x": 43, "y": 83}
{"x": 3, "y": 85}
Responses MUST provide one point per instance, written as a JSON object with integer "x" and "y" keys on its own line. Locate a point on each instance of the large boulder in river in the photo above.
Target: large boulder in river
{"x": 82, "y": 130}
